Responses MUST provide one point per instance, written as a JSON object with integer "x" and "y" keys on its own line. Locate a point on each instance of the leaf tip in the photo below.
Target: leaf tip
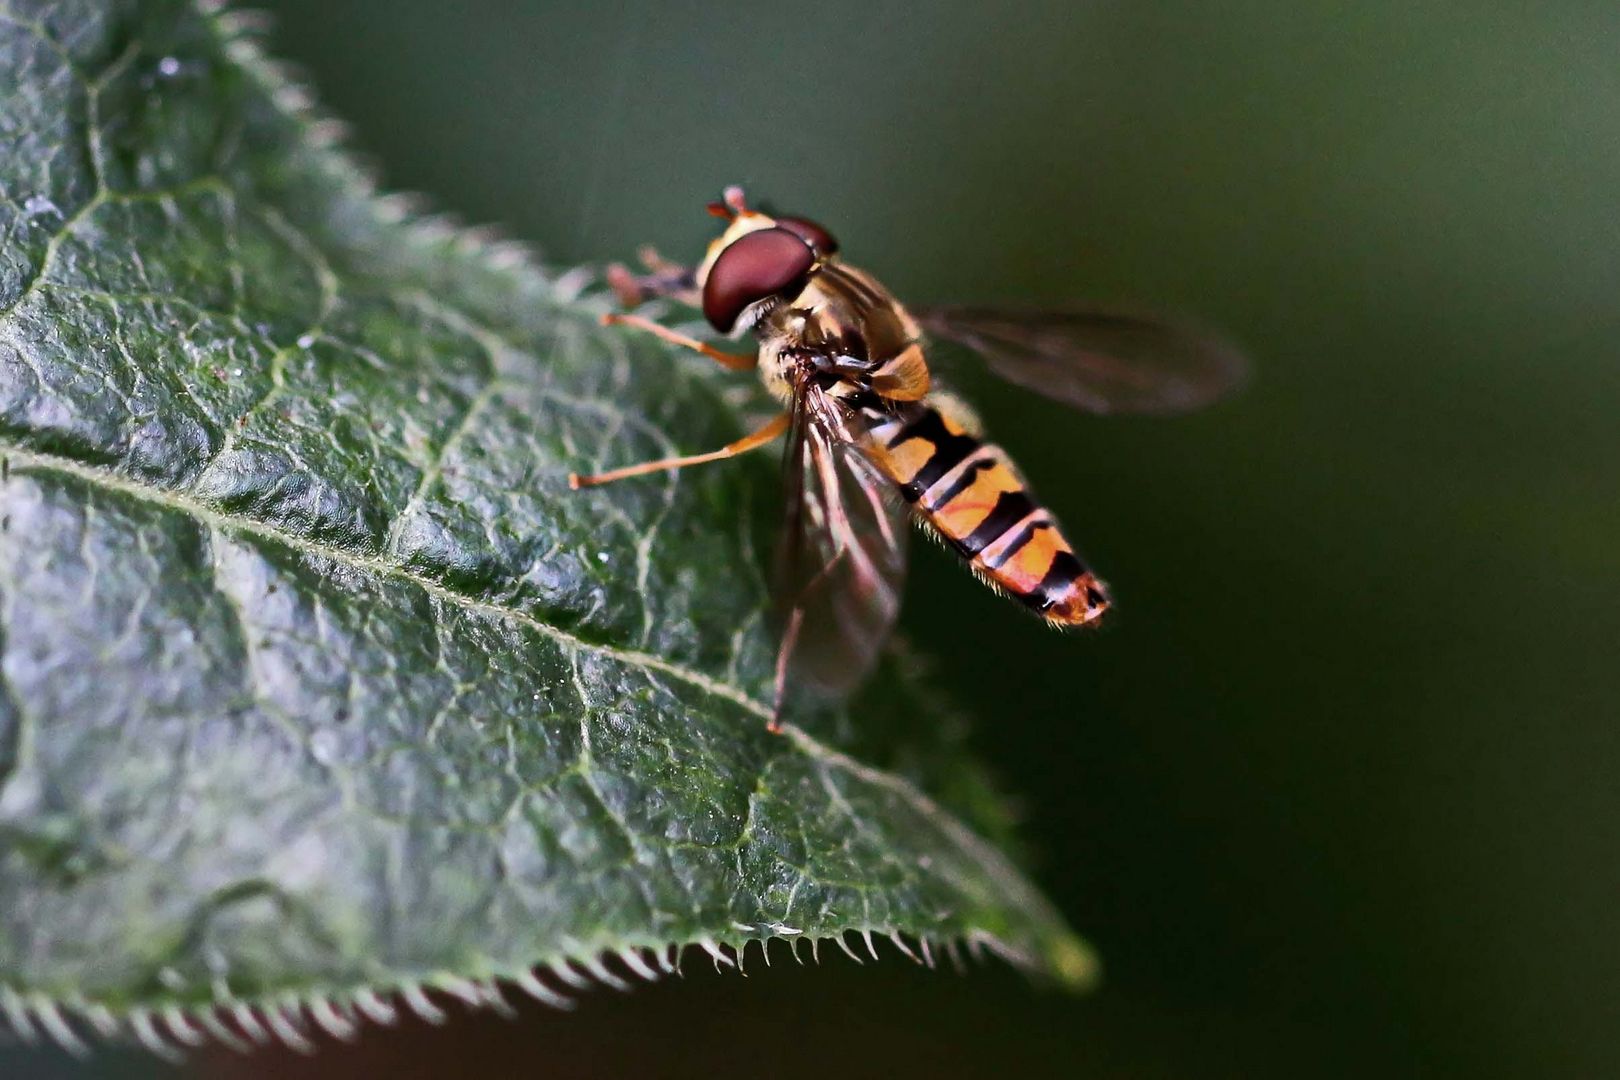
{"x": 1075, "y": 964}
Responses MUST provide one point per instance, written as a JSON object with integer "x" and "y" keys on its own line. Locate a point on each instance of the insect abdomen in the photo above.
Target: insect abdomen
{"x": 970, "y": 493}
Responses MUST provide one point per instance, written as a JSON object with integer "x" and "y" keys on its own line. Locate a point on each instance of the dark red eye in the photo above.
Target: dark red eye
{"x": 756, "y": 265}
{"x": 817, "y": 237}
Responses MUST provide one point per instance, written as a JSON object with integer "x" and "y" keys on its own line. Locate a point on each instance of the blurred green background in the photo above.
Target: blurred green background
{"x": 1336, "y": 793}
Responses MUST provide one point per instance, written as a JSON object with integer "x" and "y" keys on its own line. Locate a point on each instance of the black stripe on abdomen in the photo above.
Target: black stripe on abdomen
{"x": 960, "y": 483}
{"x": 950, "y": 450}
{"x": 1025, "y": 535}
{"x": 1061, "y": 578}
{"x": 1011, "y": 508}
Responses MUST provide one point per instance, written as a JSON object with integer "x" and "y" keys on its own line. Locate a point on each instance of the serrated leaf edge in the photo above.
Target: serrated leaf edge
{"x": 299, "y": 1021}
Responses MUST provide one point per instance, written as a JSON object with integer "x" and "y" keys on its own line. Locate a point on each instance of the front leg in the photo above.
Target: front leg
{"x": 727, "y": 360}
{"x": 663, "y": 279}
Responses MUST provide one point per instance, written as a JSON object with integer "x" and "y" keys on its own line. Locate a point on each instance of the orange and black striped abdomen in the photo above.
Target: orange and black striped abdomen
{"x": 971, "y": 495}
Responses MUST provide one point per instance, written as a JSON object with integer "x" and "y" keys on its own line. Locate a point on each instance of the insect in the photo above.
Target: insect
{"x": 872, "y": 440}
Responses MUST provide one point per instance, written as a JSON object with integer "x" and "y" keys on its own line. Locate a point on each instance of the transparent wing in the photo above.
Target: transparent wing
{"x": 1100, "y": 360}
{"x": 840, "y": 559}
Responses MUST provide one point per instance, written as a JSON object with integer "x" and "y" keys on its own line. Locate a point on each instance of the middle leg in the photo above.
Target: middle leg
{"x": 752, "y": 441}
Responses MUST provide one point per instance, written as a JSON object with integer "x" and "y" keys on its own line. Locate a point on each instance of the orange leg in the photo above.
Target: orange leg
{"x": 748, "y": 442}
{"x": 657, "y": 263}
{"x": 730, "y": 361}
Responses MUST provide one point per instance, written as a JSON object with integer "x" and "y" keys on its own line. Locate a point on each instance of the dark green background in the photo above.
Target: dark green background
{"x": 1336, "y": 793}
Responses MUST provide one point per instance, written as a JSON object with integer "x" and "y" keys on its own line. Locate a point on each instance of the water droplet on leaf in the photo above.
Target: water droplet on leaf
{"x": 323, "y": 746}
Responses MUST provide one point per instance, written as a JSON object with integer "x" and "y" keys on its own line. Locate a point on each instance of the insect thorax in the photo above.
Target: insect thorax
{"x": 843, "y": 323}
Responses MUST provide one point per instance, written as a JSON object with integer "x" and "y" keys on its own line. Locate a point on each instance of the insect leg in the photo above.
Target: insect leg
{"x": 731, "y": 361}
{"x": 784, "y": 652}
{"x": 749, "y": 442}
{"x": 664, "y": 278}
{"x": 790, "y": 636}
{"x": 659, "y": 265}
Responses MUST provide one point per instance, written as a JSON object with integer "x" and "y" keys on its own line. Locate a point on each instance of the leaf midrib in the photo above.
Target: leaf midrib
{"x": 24, "y": 460}
{"x": 994, "y": 865}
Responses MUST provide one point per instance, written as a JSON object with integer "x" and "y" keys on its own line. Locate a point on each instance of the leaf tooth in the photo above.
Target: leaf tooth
{"x": 327, "y": 132}
{"x": 181, "y": 1028}
{"x": 494, "y": 999}
{"x": 99, "y": 1016}
{"x": 283, "y": 1021}
{"x": 475, "y": 239}
{"x": 463, "y": 989}
{"x": 326, "y": 1016}
{"x": 220, "y": 1033}
{"x": 249, "y": 1023}
{"x": 815, "y": 951}
{"x": 237, "y": 21}
{"x": 291, "y": 96}
{"x": 509, "y": 254}
{"x": 765, "y": 949}
{"x": 665, "y": 959}
{"x": 870, "y": 947}
{"x": 1000, "y": 948}
{"x": 708, "y": 945}
{"x": 16, "y": 1010}
{"x": 437, "y": 229}
{"x": 559, "y": 967}
{"x": 57, "y": 1027}
{"x": 244, "y": 50}
{"x": 927, "y": 951}
{"x": 371, "y": 1004}
{"x": 396, "y": 206}
{"x": 954, "y": 951}
{"x": 630, "y": 956}
{"x": 842, "y": 944}
{"x": 598, "y": 969}
{"x": 900, "y": 943}
{"x": 530, "y": 984}
{"x": 146, "y": 1033}
{"x": 793, "y": 947}
{"x": 414, "y": 996}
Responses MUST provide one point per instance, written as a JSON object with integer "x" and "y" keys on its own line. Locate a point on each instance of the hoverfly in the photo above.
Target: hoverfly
{"x": 871, "y": 439}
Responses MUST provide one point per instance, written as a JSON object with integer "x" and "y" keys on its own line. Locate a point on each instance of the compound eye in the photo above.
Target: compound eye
{"x": 755, "y": 266}
{"x": 817, "y": 237}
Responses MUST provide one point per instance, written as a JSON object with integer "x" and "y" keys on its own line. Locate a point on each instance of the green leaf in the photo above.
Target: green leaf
{"x": 317, "y": 680}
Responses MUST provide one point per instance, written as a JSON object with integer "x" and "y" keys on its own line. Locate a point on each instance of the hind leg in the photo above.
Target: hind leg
{"x": 753, "y": 441}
